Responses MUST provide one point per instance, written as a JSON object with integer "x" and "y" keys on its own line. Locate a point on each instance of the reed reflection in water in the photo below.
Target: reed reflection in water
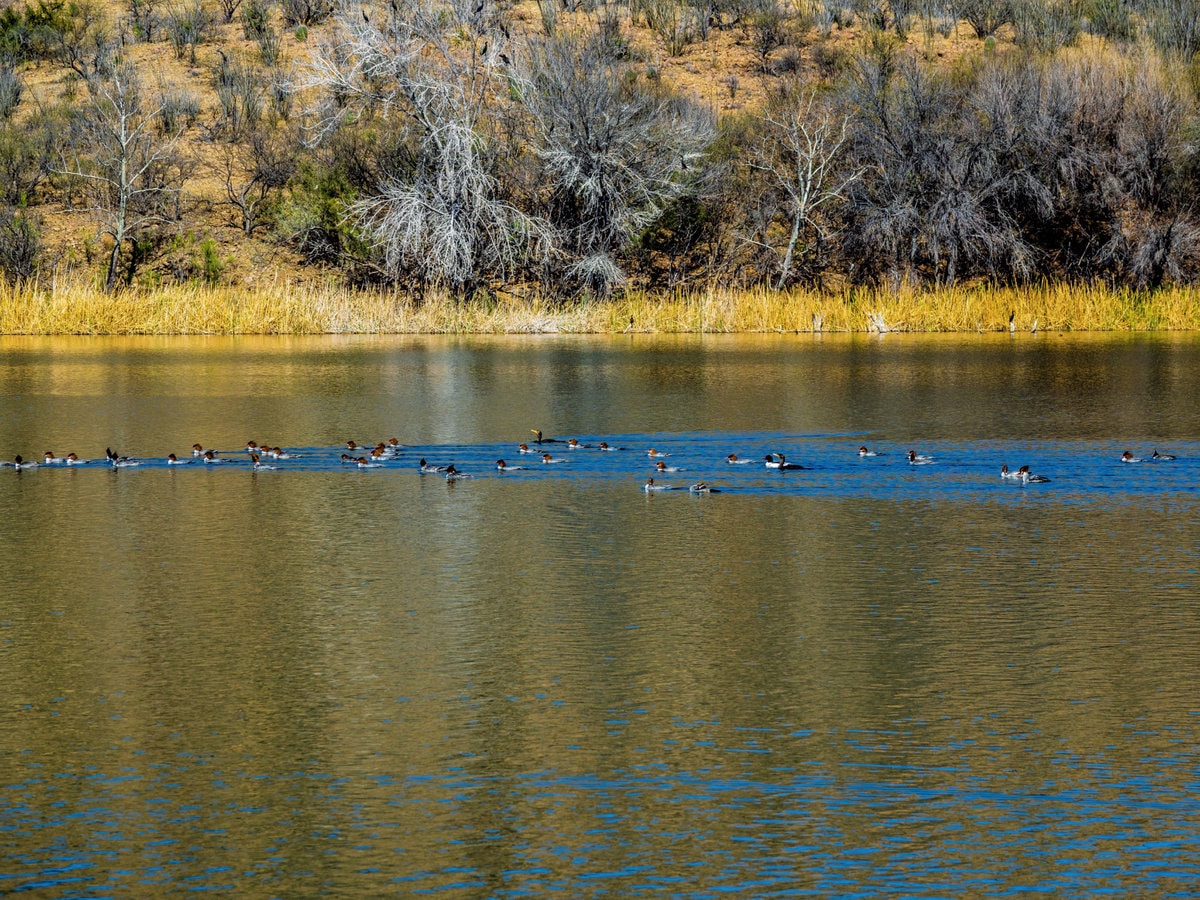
{"x": 321, "y": 681}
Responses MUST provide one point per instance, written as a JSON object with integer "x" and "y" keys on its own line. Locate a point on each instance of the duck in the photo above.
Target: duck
{"x": 661, "y": 467}
{"x": 197, "y": 450}
{"x": 452, "y": 474}
{"x": 524, "y": 448}
{"x": 210, "y": 457}
{"x": 252, "y": 447}
{"x": 73, "y": 460}
{"x": 118, "y": 461}
{"x": 347, "y": 458}
{"x": 173, "y": 460}
{"x": 918, "y": 459}
{"x": 430, "y": 469}
{"x": 1160, "y": 457}
{"x": 779, "y": 461}
{"x": 702, "y": 487}
{"x": 278, "y": 453}
{"x": 654, "y": 454}
{"x": 352, "y": 446}
{"x": 122, "y": 462}
{"x": 603, "y": 445}
{"x": 19, "y": 462}
{"x": 257, "y": 462}
{"x": 1028, "y": 477}
{"x": 1011, "y": 476}
{"x": 49, "y": 459}
{"x": 394, "y": 444}
{"x": 368, "y": 463}
{"x": 505, "y": 467}
{"x": 1128, "y": 457}
{"x": 547, "y": 458}
{"x": 573, "y": 444}
{"x": 734, "y": 460}
{"x": 650, "y": 486}
{"x": 863, "y": 451}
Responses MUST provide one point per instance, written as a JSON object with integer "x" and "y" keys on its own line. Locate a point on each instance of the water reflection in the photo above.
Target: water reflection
{"x": 869, "y": 679}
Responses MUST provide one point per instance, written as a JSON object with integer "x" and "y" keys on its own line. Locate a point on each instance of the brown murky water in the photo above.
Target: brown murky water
{"x": 861, "y": 677}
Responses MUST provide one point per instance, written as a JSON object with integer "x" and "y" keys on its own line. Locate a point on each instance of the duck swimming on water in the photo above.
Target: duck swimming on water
{"x": 118, "y": 461}
{"x": 779, "y": 461}
{"x": 1028, "y": 477}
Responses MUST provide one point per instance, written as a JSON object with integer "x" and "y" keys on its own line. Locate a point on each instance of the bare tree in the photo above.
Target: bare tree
{"x": 252, "y": 174}
{"x": 305, "y": 12}
{"x": 229, "y": 9}
{"x": 440, "y": 214}
{"x": 145, "y": 17}
{"x": 27, "y": 156}
{"x": 937, "y": 195}
{"x": 132, "y": 173}
{"x": 1173, "y": 26}
{"x": 21, "y": 248}
{"x": 802, "y": 156}
{"x": 83, "y": 42}
{"x": 613, "y": 150}
{"x": 984, "y": 16}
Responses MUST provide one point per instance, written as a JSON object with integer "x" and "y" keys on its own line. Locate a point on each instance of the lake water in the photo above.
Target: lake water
{"x": 860, "y": 678}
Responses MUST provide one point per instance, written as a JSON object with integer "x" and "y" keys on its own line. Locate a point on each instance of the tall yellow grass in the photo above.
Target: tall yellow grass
{"x": 191, "y": 309}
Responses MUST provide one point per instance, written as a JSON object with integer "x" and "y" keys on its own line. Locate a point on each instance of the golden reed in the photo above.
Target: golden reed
{"x": 33, "y": 309}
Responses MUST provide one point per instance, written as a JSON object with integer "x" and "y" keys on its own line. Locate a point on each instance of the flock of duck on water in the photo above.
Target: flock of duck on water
{"x": 385, "y": 451}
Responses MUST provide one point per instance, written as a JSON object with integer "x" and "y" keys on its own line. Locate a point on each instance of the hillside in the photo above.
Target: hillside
{"x": 764, "y": 143}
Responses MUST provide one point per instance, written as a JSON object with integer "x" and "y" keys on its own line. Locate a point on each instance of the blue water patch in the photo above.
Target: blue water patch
{"x": 826, "y": 466}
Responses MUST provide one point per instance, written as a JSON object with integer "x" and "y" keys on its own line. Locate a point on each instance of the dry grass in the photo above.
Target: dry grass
{"x": 284, "y": 309}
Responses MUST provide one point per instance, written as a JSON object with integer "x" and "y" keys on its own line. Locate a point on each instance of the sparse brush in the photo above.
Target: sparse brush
{"x": 10, "y": 89}
{"x": 188, "y": 27}
{"x": 239, "y": 88}
{"x": 270, "y": 46}
{"x": 256, "y": 18}
{"x": 305, "y": 12}
{"x": 178, "y": 110}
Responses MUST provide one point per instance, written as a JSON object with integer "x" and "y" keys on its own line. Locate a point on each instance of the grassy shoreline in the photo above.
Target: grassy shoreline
{"x": 34, "y": 309}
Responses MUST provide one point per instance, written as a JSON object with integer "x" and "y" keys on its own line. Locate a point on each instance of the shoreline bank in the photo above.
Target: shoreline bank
{"x": 282, "y": 309}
